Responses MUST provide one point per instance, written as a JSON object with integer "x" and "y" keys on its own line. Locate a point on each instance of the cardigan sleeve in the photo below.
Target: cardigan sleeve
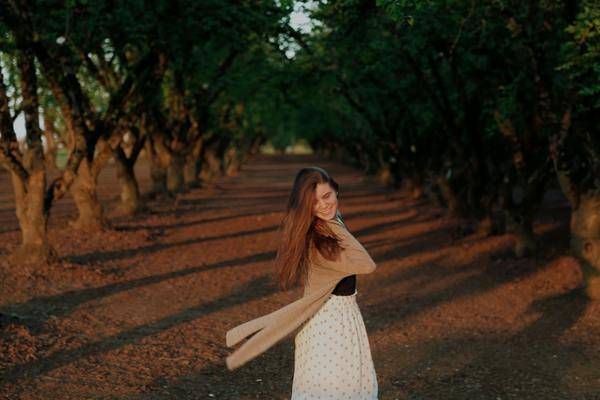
{"x": 354, "y": 258}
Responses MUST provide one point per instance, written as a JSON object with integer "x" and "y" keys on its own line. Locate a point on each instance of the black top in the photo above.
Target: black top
{"x": 346, "y": 286}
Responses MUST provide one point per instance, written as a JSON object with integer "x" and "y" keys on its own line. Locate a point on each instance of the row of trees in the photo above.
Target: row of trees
{"x": 182, "y": 80}
{"x": 480, "y": 105}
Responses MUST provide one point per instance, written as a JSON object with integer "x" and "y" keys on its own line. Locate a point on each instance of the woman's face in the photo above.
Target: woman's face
{"x": 325, "y": 201}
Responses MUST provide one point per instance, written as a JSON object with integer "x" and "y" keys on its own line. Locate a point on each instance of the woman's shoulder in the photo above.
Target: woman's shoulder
{"x": 335, "y": 222}
{"x": 337, "y": 226}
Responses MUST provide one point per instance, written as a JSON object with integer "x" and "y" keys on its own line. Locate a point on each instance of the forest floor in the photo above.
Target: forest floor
{"x": 141, "y": 311}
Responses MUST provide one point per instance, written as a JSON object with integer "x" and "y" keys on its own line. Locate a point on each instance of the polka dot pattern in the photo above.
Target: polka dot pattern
{"x": 332, "y": 356}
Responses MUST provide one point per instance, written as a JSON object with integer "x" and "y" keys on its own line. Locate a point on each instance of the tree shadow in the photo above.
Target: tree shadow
{"x": 186, "y": 224}
{"x": 394, "y": 211}
{"x": 34, "y": 312}
{"x": 268, "y": 376}
{"x": 391, "y": 311}
{"x": 125, "y": 253}
{"x": 256, "y": 289}
{"x": 530, "y": 364}
{"x": 275, "y": 367}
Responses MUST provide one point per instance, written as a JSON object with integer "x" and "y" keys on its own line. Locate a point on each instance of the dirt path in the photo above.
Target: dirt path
{"x": 141, "y": 312}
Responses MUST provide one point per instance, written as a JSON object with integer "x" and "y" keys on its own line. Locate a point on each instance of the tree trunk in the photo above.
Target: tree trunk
{"x": 257, "y": 142}
{"x": 522, "y": 228}
{"x": 52, "y": 148}
{"x": 384, "y": 173}
{"x": 28, "y": 175}
{"x": 482, "y": 205}
{"x": 190, "y": 172}
{"x": 585, "y": 206}
{"x": 158, "y": 173}
{"x": 385, "y": 176}
{"x": 131, "y": 201}
{"x": 192, "y": 165}
{"x": 452, "y": 200}
{"x": 518, "y": 218}
{"x": 485, "y": 225}
{"x": 520, "y": 201}
{"x": 175, "y": 177}
{"x": 29, "y": 204}
{"x": 413, "y": 184}
{"x": 585, "y": 241}
{"x": 211, "y": 168}
{"x": 83, "y": 190}
{"x": 232, "y": 161}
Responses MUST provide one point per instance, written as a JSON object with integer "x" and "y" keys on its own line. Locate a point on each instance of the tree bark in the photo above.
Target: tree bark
{"x": 585, "y": 241}
{"x": 33, "y": 219}
{"x": 232, "y": 161}
{"x": 384, "y": 175}
{"x": 192, "y": 165}
{"x": 585, "y": 208}
{"x": 158, "y": 173}
{"x": 485, "y": 225}
{"x": 257, "y": 142}
{"x": 28, "y": 169}
{"x": 52, "y": 148}
{"x": 131, "y": 201}
{"x": 83, "y": 191}
{"x": 452, "y": 200}
{"x": 175, "y": 174}
{"x": 211, "y": 168}
{"x": 413, "y": 183}
{"x": 522, "y": 228}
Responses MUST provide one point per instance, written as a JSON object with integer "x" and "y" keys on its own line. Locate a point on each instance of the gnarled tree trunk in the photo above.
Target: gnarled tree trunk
{"x": 27, "y": 167}
{"x": 175, "y": 173}
{"x": 584, "y": 201}
{"x": 33, "y": 219}
{"x": 453, "y": 202}
{"x": 413, "y": 184}
{"x": 232, "y": 161}
{"x": 192, "y": 165}
{"x": 158, "y": 173}
{"x": 585, "y": 241}
{"x": 131, "y": 201}
{"x": 519, "y": 204}
{"x": 84, "y": 193}
{"x": 52, "y": 145}
{"x": 211, "y": 163}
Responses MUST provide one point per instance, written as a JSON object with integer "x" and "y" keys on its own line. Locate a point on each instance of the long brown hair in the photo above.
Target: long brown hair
{"x": 301, "y": 232}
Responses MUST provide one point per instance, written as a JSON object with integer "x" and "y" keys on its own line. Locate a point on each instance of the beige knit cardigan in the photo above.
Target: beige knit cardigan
{"x": 323, "y": 276}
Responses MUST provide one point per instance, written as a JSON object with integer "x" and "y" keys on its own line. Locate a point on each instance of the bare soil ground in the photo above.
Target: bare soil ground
{"x": 141, "y": 311}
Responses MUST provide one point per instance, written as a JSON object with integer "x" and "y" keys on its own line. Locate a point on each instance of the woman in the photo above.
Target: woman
{"x": 332, "y": 352}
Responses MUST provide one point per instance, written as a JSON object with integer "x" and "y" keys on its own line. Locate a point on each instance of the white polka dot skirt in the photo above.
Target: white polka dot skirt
{"x": 332, "y": 357}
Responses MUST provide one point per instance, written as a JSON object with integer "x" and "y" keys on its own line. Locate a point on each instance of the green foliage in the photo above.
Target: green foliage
{"x": 421, "y": 84}
{"x": 582, "y": 54}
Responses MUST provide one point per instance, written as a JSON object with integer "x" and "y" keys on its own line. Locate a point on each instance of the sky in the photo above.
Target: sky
{"x": 299, "y": 19}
